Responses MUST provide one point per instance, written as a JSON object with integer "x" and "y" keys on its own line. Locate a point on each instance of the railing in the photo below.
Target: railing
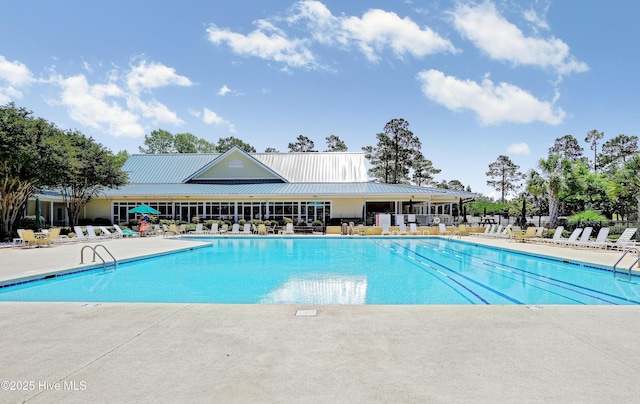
{"x": 95, "y": 253}
{"x": 627, "y": 251}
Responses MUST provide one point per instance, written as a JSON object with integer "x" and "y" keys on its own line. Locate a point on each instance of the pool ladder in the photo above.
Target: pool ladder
{"x": 627, "y": 251}
{"x": 94, "y": 248}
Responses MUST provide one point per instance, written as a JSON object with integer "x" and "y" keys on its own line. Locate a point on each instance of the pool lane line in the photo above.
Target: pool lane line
{"x": 441, "y": 273}
{"x": 542, "y": 279}
{"x": 550, "y": 280}
{"x": 488, "y": 288}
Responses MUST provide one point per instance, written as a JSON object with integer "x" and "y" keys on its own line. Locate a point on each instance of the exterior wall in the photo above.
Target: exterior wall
{"x": 347, "y": 207}
{"x": 97, "y": 208}
{"x": 228, "y": 169}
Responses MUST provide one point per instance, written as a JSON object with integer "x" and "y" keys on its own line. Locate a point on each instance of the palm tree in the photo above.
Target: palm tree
{"x": 553, "y": 173}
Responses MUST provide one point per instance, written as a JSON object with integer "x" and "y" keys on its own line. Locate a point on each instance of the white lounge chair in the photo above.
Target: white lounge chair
{"x": 413, "y": 229}
{"x": 214, "y": 229}
{"x": 624, "y": 241}
{"x": 246, "y": 229}
{"x": 288, "y": 229}
{"x": 572, "y": 238}
{"x": 80, "y": 233}
{"x": 91, "y": 233}
{"x": 584, "y": 238}
{"x": 557, "y": 235}
{"x": 109, "y": 234}
{"x": 235, "y": 229}
{"x": 600, "y": 241}
{"x": 198, "y": 229}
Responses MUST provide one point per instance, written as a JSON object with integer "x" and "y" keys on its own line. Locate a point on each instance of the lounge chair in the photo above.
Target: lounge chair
{"x": 235, "y": 229}
{"x": 51, "y": 236}
{"x": 91, "y": 233}
{"x": 18, "y": 240}
{"x": 107, "y": 233}
{"x": 600, "y": 241}
{"x": 224, "y": 228}
{"x": 402, "y": 229}
{"x": 530, "y": 233}
{"x": 572, "y": 238}
{"x": 246, "y": 229}
{"x": 288, "y": 229}
{"x": 333, "y": 230}
{"x": 199, "y": 229}
{"x": 80, "y": 233}
{"x": 584, "y": 238}
{"x": 125, "y": 233}
{"x": 443, "y": 229}
{"x": 213, "y": 230}
{"x": 624, "y": 241}
{"x": 556, "y": 236}
{"x": 413, "y": 229}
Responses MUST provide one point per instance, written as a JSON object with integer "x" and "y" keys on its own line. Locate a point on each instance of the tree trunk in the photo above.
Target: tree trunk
{"x": 553, "y": 211}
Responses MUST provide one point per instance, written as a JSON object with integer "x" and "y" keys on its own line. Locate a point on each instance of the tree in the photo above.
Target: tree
{"x": 455, "y": 185}
{"x": 90, "y": 168}
{"x": 227, "y": 143}
{"x": 203, "y": 146}
{"x": 505, "y": 176}
{"x": 592, "y": 137}
{"x": 392, "y": 159}
{"x": 158, "y": 141}
{"x": 616, "y": 151}
{"x": 567, "y": 147}
{"x": 423, "y": 172}
{"x": 302, "y": 145}
{"x": 334, "y": 144}
{"x": 627, "y": 183}
{"x": 271, "y": 150}
{"x": 185, "y": 143}
{"x": 553, "y": 170}
{"x": 28, "y": 161}
{"x": 121, "y": 157}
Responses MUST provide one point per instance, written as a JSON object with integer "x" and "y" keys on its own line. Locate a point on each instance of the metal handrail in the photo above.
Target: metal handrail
{"x": 627, "y": 251}
{"x": 104, "y": 263}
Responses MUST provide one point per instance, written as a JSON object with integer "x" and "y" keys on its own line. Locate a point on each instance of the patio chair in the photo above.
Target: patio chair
{"x": 584, "y": 237}
{"x": 91, "y": 233}
{"x": 246, "y": 229}
{"x": 198, "y": 229}
{"x": 262, "y": 230}
{"x": 18, "y": 240}
{"x": 413, "y": 229}
{"x": 29, "y": 238}
{"x": 50, "y": 237}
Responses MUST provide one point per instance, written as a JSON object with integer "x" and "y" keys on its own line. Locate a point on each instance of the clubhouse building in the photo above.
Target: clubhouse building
{"x": 328, "y": 186}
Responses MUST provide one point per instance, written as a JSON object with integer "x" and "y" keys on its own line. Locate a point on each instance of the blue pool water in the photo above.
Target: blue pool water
{"x": 338, "y": 271}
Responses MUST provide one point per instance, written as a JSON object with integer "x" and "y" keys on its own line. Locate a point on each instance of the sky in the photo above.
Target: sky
{"x": 474, "y": 79}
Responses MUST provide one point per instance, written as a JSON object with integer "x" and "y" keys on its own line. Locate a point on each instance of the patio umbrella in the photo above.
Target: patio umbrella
{"x": 524, "y": 211}
{"x": 144, "y": 209}
{"x": 37, "y": 223}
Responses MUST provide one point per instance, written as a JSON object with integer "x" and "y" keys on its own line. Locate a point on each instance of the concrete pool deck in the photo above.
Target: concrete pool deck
{"x": 110, "y": 352}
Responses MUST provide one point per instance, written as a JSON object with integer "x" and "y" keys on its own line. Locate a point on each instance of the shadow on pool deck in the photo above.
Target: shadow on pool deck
{"x": 264, "y": 353}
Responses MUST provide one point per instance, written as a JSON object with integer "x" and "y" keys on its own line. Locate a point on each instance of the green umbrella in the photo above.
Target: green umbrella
{"x": 144, "y": 209}
{"x": 37, "y": 223}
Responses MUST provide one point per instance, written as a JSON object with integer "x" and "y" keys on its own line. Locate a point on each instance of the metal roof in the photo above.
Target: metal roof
{"x": 339, "y": 167}
{"x": 365, "y": 189}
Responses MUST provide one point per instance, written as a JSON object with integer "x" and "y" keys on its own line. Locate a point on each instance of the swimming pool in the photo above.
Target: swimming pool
{"x": 249, "y": 270}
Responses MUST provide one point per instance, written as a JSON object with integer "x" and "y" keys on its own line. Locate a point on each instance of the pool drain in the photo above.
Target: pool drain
{"x": 306, "y": 313}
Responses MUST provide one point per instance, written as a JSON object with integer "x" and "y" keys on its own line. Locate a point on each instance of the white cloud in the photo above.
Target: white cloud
{"x": 378, "y": 29}
{"x": 519, "y": 148}
{"x": 211, "y": 118}
{"x": 493, "y": 103}
{"x": 154, "y": 75}
{"x": 118, "y": 106}
{"x": 94, "y": 106}
{"x": 372, "y": 33}
{"x": 16, "y": 75}
{"x": 266, "y": 42}
{"x": 502, "y": 40}
{"x": 224, "y": 90}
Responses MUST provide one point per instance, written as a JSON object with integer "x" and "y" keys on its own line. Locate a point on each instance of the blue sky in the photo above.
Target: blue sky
{"x": 474, "y": 79}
